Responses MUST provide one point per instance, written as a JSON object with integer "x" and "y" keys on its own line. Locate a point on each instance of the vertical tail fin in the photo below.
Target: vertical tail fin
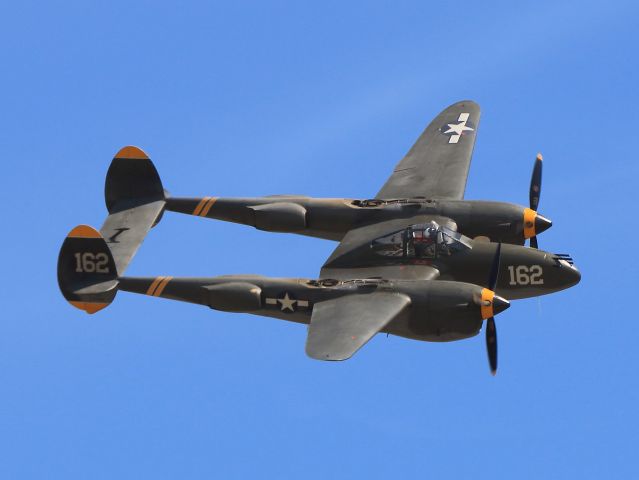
{"x": 135, "y": 199}
{"x": 87, "y": 274}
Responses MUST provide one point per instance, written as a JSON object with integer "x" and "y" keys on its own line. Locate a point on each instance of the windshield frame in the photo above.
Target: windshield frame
{"x": 422, "y": 241}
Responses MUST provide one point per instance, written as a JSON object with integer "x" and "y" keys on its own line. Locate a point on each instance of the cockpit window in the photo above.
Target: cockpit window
{"x": 427, "y": 240}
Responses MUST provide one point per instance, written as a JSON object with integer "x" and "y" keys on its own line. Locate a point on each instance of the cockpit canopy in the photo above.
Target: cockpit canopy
{"x": 425, "y": 240}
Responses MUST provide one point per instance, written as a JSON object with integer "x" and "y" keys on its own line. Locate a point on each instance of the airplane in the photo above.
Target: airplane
{"x": 417, "y": 261}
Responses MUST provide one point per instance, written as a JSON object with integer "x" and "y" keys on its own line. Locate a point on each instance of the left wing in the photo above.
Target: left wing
{"x": 437, "y": 165}
{"x": 341, "y": 326}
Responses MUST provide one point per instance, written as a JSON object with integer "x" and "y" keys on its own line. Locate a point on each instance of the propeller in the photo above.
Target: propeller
{"x": 535, "y": 183}
{"x": 491, "y": 329}
{"x": 537, "y": 223}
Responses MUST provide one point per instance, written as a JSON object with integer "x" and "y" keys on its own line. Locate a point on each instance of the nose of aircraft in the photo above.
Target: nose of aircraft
{"x": 569, "y": 275}
{"x": 574, "y": 275}
{"x": 542, "y": 224}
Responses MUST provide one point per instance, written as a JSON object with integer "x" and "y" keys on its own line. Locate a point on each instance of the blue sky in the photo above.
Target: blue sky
{"x": 323, "y": 99}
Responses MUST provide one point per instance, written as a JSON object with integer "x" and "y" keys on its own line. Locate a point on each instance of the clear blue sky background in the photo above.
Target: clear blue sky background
{"x": 256, "y": 98}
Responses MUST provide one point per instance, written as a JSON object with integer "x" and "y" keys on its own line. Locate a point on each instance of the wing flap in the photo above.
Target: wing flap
{"x": 341, "y": 326}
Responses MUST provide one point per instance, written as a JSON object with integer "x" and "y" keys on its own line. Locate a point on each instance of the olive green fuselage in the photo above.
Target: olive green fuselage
{"x": 332, "y": 218}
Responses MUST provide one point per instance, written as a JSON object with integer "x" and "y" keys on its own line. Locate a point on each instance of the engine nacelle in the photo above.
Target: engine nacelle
{"x": 446, "y": 311}
{"x": 280, "y": 217}
{"x": 234, "y": 297}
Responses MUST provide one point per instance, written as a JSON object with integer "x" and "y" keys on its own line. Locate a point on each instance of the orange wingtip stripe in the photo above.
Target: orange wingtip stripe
{"x": 208, "y": 206}
{"x": 89, "y": 307}
{"x": 84, "y": 231}
{"x": 154, "y": 285}
{"x": 132, "y": 153}
{"x": 162, "y": 286}
{"x": 200, "y": 205}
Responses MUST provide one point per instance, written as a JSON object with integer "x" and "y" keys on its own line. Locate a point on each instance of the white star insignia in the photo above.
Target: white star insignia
{"x": 287, "y": 302}
{"x": 458, "y": 129}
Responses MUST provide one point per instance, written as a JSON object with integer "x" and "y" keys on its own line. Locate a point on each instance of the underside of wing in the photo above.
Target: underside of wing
{"x": 437, "y": 164}
{"x": 341, "y": 326}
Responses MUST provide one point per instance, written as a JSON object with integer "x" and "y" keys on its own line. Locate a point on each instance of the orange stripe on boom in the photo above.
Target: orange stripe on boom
{"x": 200, "y": 205}
{"x": 154, "y": 285}
{"x": 208, "y": 206}
{"x": 162, "y": 286}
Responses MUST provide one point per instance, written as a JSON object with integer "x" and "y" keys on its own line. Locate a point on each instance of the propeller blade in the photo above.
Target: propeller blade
{"x": 535, "y": 183}
{"x": 494, "y": 270}
{"x": 491, "y": 344}
{"x": 491, "y": 329}
{"x": 533, "y": 242}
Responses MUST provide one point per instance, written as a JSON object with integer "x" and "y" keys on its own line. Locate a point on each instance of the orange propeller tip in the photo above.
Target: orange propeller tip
{"x": 540, "y": 157}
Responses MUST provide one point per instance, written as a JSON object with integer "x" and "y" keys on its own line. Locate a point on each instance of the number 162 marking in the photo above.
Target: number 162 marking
{"x": 525, "y": 275}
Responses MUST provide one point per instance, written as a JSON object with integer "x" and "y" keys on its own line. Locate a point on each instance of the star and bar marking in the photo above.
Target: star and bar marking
{"x": 287, "y": 303}
{"x": 456, "y": 130}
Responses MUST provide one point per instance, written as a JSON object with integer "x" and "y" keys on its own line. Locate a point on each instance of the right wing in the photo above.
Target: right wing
{"x": 437, "y": 165}
{"x": 341, "y": 326}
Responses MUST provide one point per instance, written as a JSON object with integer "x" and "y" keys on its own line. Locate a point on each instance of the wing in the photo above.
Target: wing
{"x": 341, "y": 326}
{"x": 437, "y": 165}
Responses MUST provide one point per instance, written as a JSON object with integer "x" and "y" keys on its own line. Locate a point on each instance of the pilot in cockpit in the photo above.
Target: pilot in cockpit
{"x": 424, "y": 242}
